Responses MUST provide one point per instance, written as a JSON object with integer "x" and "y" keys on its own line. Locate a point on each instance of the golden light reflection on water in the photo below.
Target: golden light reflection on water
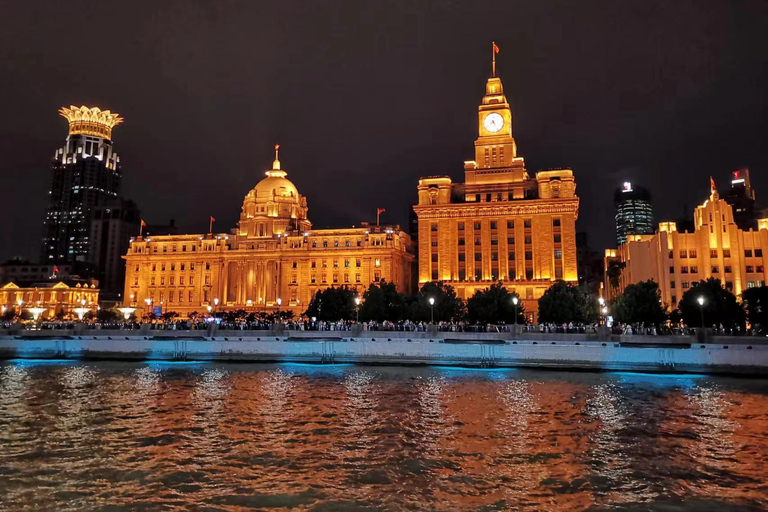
{"x": 236, "y": 437}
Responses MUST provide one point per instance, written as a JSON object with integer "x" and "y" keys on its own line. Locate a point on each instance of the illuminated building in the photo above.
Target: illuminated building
{"x": 58, "y": 298}
{"x": 741, "y": 197}
{"x": 86, "y": 174}
{"x": 501, "y": 224}
{"x": 717, "y": 248}
{"x": 634, "y": 213}
{"x": 273, "y": 260}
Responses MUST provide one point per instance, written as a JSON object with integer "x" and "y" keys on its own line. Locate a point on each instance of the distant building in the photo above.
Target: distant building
{"x": 272, "y": 261}
{"x": 502, "y": 224}
{"x": 112, "y": 227}
{"x": 717, "y": 248}
{"x": 589, "y": 264}
{"x": 741, "y": 197}
{"x": 634, "y": 213}
{"x": 161, "y": 229}
{"x": 86, "y": 174}
{"x": 22, "y": 272}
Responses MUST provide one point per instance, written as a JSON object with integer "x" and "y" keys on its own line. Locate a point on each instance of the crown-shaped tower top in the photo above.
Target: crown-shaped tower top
{"x": 90, "y": 121}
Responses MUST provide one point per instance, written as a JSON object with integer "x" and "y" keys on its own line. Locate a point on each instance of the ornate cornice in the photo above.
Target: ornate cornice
{"x": 458, "y": 210}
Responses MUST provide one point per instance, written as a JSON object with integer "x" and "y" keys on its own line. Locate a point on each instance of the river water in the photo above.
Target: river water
{"x": 213, "y": 437}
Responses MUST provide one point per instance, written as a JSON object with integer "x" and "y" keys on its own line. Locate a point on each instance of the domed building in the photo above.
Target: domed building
{"x": 273, "y": 207}
{"x": 272, "y": 260}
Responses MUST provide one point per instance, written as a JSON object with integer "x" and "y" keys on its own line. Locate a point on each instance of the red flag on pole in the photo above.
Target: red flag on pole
{"x": 210, "y": 224}
{"x": 712, "y": 186}
{"x": 495, "y": 48}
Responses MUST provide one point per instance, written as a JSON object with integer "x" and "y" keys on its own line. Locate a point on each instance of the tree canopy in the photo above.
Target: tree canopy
{"x": 494, "y": 305}
{"x": 448, "y": 307}
{"x": 333, "y": 304}
{"x": 566, "y": 302}
{"x": 720, "y": 305}
{"x": 640, "y": 303}
{"x": 382, "y": 302}
{"x": 756, "y": 303}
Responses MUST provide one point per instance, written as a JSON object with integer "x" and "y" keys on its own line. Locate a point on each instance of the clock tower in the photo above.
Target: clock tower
{"x": 496, "y": 164}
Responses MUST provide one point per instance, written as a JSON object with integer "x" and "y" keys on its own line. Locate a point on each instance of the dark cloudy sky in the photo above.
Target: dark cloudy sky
{"x": 366, "y": 96}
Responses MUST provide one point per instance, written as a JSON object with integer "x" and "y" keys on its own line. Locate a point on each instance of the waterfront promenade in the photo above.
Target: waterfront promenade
{"x": 700, "y": 353}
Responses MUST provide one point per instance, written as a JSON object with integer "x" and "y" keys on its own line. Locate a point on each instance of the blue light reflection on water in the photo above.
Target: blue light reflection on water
{"x": 40, "y": 362}
{"x": 316, "y": 368}
{"x": 662, "y": 380}
{"x": 160, "y": 363}
{"x": 494, "y": 374}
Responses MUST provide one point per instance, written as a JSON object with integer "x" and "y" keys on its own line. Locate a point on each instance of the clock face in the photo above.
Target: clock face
{"x": 493, "y": 122}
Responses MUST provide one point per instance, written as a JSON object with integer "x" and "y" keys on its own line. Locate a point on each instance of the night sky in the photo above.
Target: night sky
{"x": 365, "y": 97}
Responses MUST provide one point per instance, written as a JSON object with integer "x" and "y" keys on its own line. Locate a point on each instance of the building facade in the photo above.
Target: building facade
{"x": 717, "y": 248}
{"x": 86, "y": 174}
{"x": 272, "y": 261}
{"x": 501, "y": 224}
{"x": 59, "y": 299}
{"x": 634, "y": 212}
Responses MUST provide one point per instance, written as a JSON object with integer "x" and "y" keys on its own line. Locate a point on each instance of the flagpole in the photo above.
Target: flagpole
{"x": 378, "y": 214}
{"x": 493, "y": 56}
{"x": 210, "y": 226}
{"x": 141, "y": 228}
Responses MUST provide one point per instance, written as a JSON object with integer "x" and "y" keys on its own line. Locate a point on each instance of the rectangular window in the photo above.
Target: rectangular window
{"x": 478, "y": 256}
{"x": 191, "y": 280}
{"x": 692, "y": 253}
{"x": 462, "y": 256}
{"x": 694, "y": 270}
{"x": 715, "y": 270}
{"x": 357, "y": 278}
{"x": 358, "y": 263}
{"x": 511, "y": 256}
{"x": 685, "y": 285}
{"x": 672, "y": 269}
{"x": 461, "y": 240}
{"x": 758, "y": 253}
{"x": 726, "y": 253}
{"x": 759, "y": 269}
{"x": 527, "y": 223}
{"x": 672, "y": 284}
{"x": 683, "y": 270}
{"x": 750, "y": 284}
{"x": 557, "y": 238}
{"x": 750, "y": 269}
{"x": 493, "y": 224}
{"x": 555, "y": 222}
{"x": 494, "y": 241}
{"x": 461, "y": 226}
{"x": 747, "y": 253}
{"x": 558, "y": 254}
{"x": 510, "y": 224}
{"x": 190, "y": 296}
{"x": 433, "y": 227}
{"x": 434, "y": 258}
{"x": 527, "y": 239}
{"x": 346, "y": 263}
{"x": 713, "y": 253}
{"x": 476, "y": 226}
{"x": 510, "y": 240}
{"x": 683, "y": 254}
{"x": 728, "y": 269}
{"x": 528, "y": 255}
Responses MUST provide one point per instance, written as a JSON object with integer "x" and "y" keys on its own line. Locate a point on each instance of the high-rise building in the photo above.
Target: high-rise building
{"x": 112, "y": 227}
{"x": 675, "y": 260}
{"x": 501, "y": 224}
{"x": 86, "y": 174}
{"x": 741, "y": 197}
{"x": 272, "y": 260}
{"x": 634, "y": 213}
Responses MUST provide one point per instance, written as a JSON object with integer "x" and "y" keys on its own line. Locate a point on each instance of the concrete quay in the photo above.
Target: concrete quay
{"x": 683, "y": 354}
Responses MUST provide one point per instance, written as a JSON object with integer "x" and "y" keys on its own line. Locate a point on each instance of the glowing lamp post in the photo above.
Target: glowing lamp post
{"x": 127, "y": 312}
{"x": 357, "y": 310}
{"x": 431, "y": 310}
{"x": 36, "y": 312}
{"x": 279, "y": 302}
{"x": 700, "y": 300}
{"x": 80, "y": 312}
{"x": 515, "y": 300}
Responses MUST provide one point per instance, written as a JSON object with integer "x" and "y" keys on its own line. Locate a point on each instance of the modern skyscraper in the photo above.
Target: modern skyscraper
{"x": 501, "y": 224}
{"x": 86, "y": 174}
{"x": 112, "y": 227}
{"x": 741, "y": 197}
{"x": 634, "y": 213}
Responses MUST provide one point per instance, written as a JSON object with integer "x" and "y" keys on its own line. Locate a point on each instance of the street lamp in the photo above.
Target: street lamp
{"x": 700, "y": 300}
{"x": 127, "y": 312}
{"x": 357, "y": 310}
{"x": 432, "y": 310}
{"x": 515, "y": 300}
{"x": 279, "y": 302}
